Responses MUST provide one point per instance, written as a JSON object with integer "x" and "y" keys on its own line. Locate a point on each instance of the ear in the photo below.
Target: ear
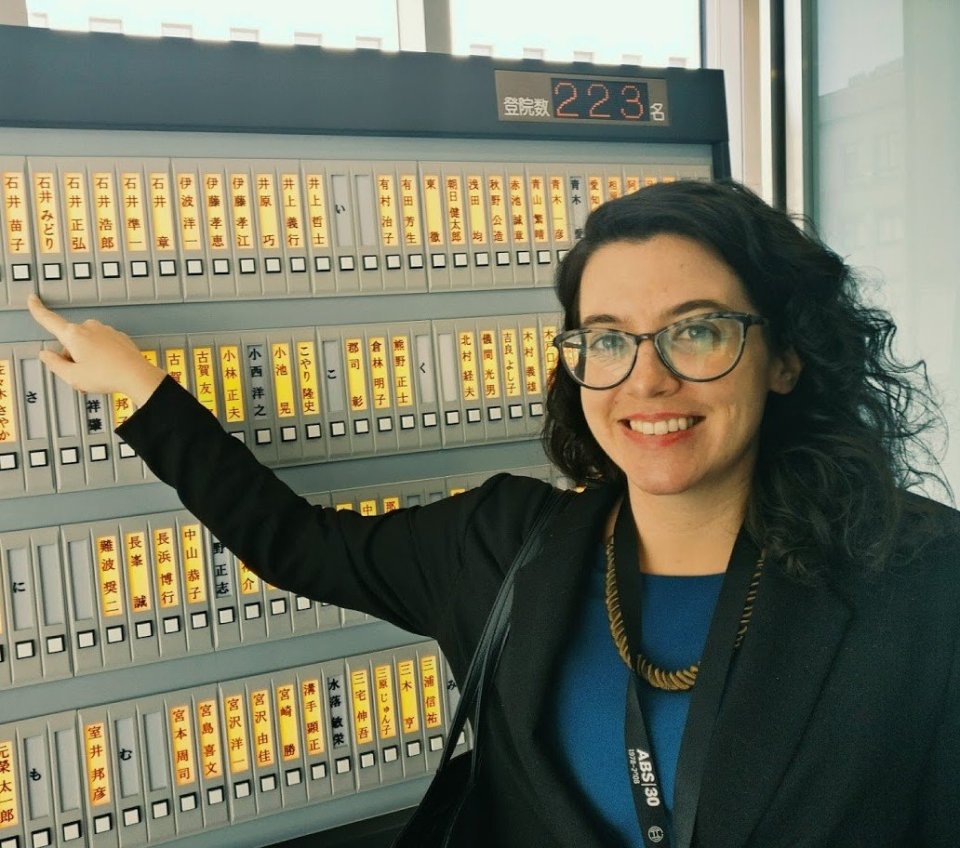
{"x": 785, "y": 371}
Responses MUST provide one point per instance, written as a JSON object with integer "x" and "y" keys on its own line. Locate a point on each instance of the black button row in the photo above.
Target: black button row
{"x": 139, "y": 268}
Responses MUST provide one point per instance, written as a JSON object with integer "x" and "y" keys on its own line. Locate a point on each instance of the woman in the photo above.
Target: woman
{"x": 744, "y": 433}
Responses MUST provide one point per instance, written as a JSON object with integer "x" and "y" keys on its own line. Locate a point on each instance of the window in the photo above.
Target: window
{"x": 636, "y": 32}
{"x": 889, "y": 174}
{"x": 359, "y": 23}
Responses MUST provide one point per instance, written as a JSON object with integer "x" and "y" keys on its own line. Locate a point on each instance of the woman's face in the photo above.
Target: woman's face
{"x": 641, "y": 287}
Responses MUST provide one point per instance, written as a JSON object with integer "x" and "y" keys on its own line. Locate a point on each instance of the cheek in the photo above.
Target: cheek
{"x": 596, "y": 411}
{"x": 749, "y": 410}
{"x": 588, "y": 405}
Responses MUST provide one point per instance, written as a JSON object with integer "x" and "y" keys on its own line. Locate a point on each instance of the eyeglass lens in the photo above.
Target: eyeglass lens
{"x": 697, "y": 349}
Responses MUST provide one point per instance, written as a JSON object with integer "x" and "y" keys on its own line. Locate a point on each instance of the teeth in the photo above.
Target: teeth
{"x": 661, "y": 428}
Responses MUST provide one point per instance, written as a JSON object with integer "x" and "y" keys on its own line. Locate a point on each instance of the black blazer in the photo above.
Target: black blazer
{"x": 840, "y": 723}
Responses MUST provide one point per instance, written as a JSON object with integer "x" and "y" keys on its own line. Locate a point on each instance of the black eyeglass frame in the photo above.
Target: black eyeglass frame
{"x": 746, "y": 320}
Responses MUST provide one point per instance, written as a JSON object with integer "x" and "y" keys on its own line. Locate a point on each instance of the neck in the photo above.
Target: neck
{"x": 688, "y": 534}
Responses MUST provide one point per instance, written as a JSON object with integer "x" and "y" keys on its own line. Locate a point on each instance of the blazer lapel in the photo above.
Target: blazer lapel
{"x": 546, "y": 594}
{"x": 773, "y": 688}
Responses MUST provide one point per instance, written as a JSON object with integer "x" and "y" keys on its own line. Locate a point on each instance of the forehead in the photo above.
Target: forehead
{"x": 640, "y": 281}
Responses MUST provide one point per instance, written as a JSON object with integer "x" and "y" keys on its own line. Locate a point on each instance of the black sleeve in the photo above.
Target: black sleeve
{"x": 403, "y": 567}
{"x": 940, "y": 792}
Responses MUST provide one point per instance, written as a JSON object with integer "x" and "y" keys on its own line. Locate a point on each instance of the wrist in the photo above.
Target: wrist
{"x": 145, "y": 383}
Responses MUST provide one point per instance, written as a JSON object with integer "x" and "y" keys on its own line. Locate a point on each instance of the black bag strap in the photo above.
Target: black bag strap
{"x": 494, "y": 636}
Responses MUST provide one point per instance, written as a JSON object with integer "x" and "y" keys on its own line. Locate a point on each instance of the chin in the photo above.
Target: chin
{"x": 660, "y": 485}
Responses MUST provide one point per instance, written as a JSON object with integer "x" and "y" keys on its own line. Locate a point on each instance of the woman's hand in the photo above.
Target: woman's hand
{"x": 96, "y": 358}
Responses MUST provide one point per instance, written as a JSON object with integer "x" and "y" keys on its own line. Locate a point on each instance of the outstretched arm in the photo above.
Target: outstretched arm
{"x": 405, "y": 567}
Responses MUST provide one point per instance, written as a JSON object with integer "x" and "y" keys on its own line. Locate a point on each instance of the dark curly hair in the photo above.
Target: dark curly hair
{"x": 836, "y": 454}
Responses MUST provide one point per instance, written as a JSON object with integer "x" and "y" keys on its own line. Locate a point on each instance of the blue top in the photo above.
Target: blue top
{"x": 592, "y": 690}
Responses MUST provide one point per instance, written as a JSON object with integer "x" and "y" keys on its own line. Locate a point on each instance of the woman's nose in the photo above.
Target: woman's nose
{"x": 650, "y": 376}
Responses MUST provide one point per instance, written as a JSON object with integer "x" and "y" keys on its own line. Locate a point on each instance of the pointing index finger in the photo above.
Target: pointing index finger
{"x": 46, "y": 318}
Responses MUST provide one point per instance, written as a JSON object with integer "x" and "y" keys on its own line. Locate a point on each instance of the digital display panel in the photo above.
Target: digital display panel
{"x": 600, "y": 99}
{"x": 581, "y": 98}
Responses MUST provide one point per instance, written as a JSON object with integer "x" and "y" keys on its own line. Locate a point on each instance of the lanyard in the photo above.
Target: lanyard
{"x": 644, "y": 782}
{"x": 705, "y": 695}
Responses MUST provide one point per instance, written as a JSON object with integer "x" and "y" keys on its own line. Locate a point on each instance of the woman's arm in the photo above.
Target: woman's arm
{"x": 401, "y": 566}
{"x": 404, "y": 567}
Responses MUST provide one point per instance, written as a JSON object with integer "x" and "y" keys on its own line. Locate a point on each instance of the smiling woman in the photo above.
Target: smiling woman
{"x": 810, "y": 434}
{"x": 635, "y": 285}
{"x": 746, "y": 539}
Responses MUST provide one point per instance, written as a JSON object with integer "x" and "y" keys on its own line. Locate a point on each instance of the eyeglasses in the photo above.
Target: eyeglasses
{"x": 698, "y": 349}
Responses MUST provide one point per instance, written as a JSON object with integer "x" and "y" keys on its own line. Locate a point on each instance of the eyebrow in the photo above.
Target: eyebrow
{"x": 672, "y": 312}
